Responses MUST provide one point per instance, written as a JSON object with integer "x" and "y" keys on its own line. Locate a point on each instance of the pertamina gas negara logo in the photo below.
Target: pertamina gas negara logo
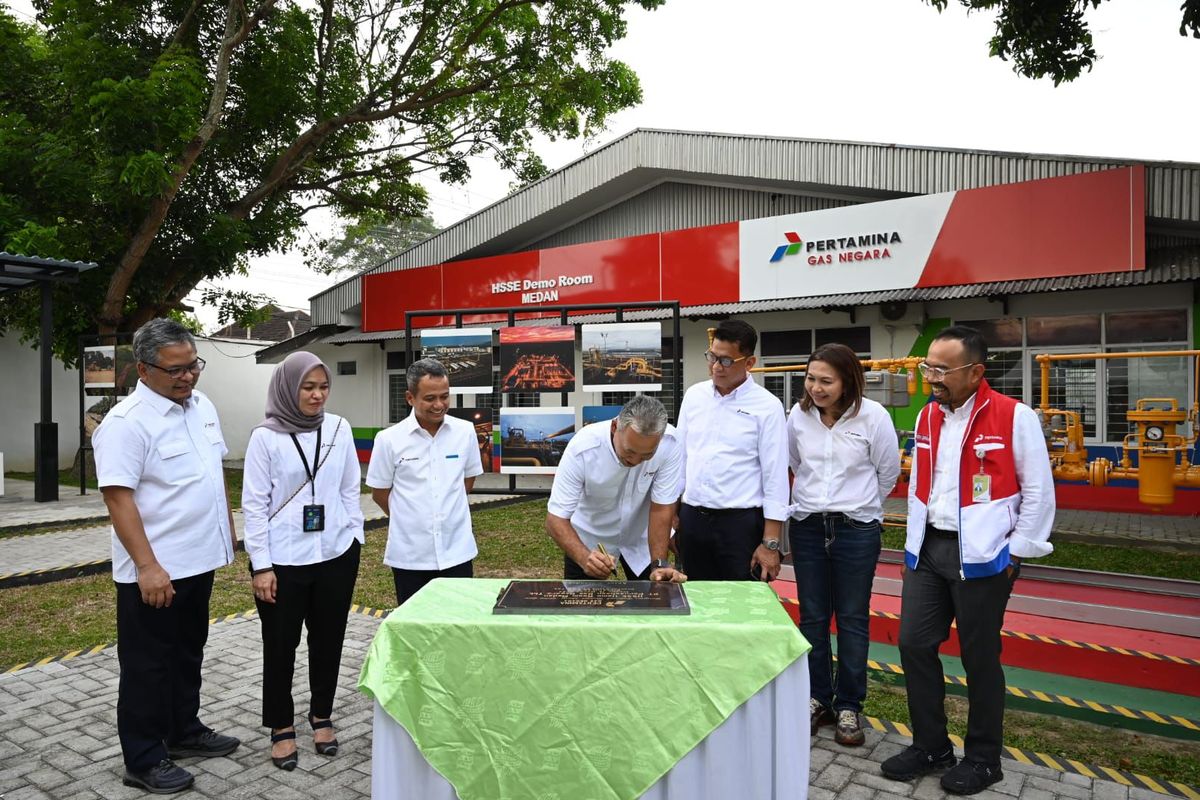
{"x": 789, "y": 249}
{"x": 844, "y": 249}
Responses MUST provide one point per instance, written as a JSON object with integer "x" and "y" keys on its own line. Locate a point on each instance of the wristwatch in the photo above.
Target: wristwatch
{"x": 659, "y": 563}
{"x": 771, "y": 544}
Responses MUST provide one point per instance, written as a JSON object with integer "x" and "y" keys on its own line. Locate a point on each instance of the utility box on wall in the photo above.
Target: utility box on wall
{"x": 889, "y": 389}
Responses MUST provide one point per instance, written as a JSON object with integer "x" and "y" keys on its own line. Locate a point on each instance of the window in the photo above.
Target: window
{"x": 398, "y": 407}
{"x": 347, "y": 368}
{"x": 785, "y": 343}
{"x": 857, "y": 339}
{"x": 1101, "y": 391}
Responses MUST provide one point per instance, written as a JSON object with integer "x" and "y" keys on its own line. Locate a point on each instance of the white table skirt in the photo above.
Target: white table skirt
{"x": 759, "y": 753}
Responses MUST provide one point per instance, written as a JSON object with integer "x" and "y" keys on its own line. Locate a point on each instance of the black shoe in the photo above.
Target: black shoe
{"x": 970, "y": 777}
{"x": 913, "y": 762}
{"x": 818, "y": 715}
{"x": 292, "y": 759}
{"x": 329, "y": 748}
{"x": 206, "y": 745}
{"x": 166, "y": 778}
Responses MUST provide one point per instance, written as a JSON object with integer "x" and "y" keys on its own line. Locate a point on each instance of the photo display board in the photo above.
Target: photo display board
{"x": 622, "y": 357}
{"x": 532, "y": 440}
{"x": 539, "y": 358}
{"x": 466, "y": 353}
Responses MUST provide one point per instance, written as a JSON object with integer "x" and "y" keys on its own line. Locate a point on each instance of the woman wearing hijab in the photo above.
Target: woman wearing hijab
{"x": 304, "y": 528}
{"x": 845, "y": 456}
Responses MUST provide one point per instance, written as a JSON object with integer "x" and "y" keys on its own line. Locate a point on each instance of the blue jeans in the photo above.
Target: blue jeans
{"x": 834, "y": 558}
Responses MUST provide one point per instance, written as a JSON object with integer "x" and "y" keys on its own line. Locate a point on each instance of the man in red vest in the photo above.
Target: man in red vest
{"x": 981, "y": 498}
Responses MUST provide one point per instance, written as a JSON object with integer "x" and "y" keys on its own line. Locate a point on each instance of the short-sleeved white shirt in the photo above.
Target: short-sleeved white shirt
{"x": 735, "y": 449}
{"x": 169, "y": 454}
{"x": 429, "y": 520}
{"x": 608, "y": 502}
{"x": 274, "y": 473}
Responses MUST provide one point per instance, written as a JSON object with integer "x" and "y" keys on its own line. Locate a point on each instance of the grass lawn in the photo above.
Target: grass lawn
{"x": 50, "y": 619}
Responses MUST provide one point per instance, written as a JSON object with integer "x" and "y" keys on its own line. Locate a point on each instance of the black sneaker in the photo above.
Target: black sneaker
{"x": 165, "y": 778}
{"x": 970, "y": 777}
{"x": 913, "y": 762}
{"x": 206, "y": 745}
{"x": 818, "y": 715}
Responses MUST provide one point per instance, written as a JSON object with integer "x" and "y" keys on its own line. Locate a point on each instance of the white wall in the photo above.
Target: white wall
{"x": 232, "y": 379}
{"x": 237, "y": 385}
{"x": 20, "y": 397}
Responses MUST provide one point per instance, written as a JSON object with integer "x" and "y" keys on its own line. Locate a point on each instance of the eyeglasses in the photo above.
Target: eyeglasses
{"x": 939, "y": 373}
{"x": 724, "y": 361}
{"x": 196, "y": 367}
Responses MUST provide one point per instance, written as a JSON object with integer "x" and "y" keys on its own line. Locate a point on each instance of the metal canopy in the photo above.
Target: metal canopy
{"x": 22, "y": 272}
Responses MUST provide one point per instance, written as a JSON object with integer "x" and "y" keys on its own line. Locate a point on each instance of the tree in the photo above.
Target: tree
{"x": 368, "y": 242}
{"x": 1051, "y": 38}
{"x": 171, "y": 140}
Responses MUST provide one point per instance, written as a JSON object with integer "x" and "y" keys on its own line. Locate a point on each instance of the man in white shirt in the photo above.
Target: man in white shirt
{"x": 421, "y": 470}
{"x": 735, "y": 460}
{"x": 981, "y": 498}
{"x": 158, "y": 464}
{"x": 615, "y": 488}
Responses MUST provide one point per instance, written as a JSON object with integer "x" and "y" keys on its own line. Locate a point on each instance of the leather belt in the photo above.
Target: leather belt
{"x": 938, "y": 533}
{"x": 719, "y": 512}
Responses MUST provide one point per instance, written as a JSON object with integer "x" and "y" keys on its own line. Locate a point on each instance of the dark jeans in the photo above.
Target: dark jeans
{"x": 161, "y": 651}
{"x": 315, "y": 596}
{"x": 932, "y": 596}
{"x": 574, "y": 572}
{"x": 410, "y": 581}
{"x": 716, "y": 545}
{"x": 834, "y": 558}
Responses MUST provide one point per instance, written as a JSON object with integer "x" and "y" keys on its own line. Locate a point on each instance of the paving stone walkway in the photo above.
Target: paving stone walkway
{"x": 58, "y": 738}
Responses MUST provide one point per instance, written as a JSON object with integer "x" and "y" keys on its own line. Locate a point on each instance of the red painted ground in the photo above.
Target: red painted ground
{"x": 1056, "y": 657}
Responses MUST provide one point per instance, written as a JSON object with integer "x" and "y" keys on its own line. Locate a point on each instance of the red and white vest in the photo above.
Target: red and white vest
{"x": 986, "y": 521}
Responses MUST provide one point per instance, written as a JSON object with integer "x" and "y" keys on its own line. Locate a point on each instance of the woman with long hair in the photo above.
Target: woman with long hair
{"x": 304, "y": 529}
{"x": 845, "y": 457}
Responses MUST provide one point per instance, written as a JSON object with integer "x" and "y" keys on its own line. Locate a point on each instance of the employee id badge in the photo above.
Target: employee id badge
{"x": 314, "y": 518}
{"x": 981, "y": 488}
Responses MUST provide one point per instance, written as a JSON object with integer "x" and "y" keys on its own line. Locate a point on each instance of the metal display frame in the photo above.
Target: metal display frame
{"x": 85, "y": 441}
{"x": 543, "y": 312}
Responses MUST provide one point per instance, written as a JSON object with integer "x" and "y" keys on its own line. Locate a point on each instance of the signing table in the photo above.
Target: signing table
{"x": 481, "y": 706}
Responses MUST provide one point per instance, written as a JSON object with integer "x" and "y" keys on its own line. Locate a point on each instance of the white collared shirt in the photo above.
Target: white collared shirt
{"x": 734, "y": 449}
{"x": 429, "y": 521}
{"x": 943, "y": 490}
{"x": 851, "y": 467}
{"x": 609, "y": 502}
{"x": 169, "y": 454}
{"x": 274, "y": 473}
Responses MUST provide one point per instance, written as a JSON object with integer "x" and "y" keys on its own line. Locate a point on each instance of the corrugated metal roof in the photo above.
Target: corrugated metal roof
{"x": 644, "y": 158}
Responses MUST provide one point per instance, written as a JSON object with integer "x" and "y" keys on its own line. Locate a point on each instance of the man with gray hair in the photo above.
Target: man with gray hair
{"x": 421, "y": 470}
{"x": 158, "y": 464}
{"x": 614, "y": 494}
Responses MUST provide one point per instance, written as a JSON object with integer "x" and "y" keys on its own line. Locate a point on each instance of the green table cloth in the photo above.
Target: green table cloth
{"x": 579, "y": 706}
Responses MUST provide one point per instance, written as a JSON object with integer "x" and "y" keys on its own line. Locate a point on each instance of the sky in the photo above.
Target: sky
{"x": 886, "y": 71}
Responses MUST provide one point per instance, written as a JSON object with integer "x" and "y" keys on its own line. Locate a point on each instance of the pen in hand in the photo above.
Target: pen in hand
{"x": 604, "y": 552}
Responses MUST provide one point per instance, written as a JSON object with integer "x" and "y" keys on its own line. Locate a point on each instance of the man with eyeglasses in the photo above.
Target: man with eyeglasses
{"x": 980, "y": 499}
{"x": 734, "y": 484}
{"x": 158, "y": 464}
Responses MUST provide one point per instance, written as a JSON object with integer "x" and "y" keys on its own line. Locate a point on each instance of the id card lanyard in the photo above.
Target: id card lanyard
{"x": 313, "y": 514}
{"x": 311, "y": 473}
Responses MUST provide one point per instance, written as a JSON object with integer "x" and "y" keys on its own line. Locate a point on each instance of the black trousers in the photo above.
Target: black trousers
{"x": 316, "y": 596}
{"x": 161, "y": 651}
{"x": 574, "y": 572}
{"x": 716, "y": 545}
{"x": 932, "y": 596}
{"x": 410, "y": 581}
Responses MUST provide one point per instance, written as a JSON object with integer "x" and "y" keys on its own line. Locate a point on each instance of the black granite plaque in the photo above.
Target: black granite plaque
{"x": 592, "y": 597}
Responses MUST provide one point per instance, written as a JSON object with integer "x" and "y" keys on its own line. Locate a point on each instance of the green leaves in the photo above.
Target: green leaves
{"x": 1051, "y": 38}
{"x": 139, "y": 135}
